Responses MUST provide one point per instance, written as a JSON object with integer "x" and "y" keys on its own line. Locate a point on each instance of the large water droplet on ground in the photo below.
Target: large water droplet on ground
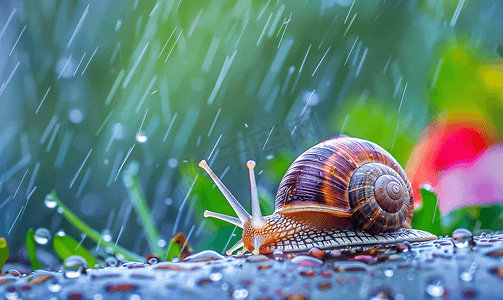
{"x": 49, "y": 201}
{"x": 462, "y": 237}
{"x": 42, "y": 235}
{"x": 73, "y": 266}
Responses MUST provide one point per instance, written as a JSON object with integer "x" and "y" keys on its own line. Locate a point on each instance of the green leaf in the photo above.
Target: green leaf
{"x": 31, "y": 247}
{"x": 174, "y": 249}
{"x": 428, "y": 217}
{"x": 4, "y": 252}
{"x": 93, "y": 234}
{"x": 141, "y": 207}
{"x": 65, "y": 246}
{"x": 473, "y": 218}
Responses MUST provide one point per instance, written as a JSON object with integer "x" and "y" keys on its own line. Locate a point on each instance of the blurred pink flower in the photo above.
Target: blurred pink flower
{"x": 476, "y": 181}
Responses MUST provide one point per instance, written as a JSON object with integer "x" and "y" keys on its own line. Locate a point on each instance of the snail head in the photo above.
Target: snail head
{"x": 255, "y": 227}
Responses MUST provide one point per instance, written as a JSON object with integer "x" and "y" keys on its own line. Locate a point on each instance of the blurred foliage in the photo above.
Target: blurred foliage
{"x": 65, "y": 247}
{"x": 31, "y": 247}
{"x": 4, "y": 252}
{"x": 473, "y": 218}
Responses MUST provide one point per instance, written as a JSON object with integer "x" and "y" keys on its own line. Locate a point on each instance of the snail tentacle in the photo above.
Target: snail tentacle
{"x": 257, "y": 219}
{"x": 240, "y": 211}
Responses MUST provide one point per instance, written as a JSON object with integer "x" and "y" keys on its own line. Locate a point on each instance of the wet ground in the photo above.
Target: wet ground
{"x": 460, "y": 267}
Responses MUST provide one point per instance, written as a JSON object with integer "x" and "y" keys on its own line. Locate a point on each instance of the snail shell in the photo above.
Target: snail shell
{"x": 341, "y": 192}
{"x": 345, "y": 175}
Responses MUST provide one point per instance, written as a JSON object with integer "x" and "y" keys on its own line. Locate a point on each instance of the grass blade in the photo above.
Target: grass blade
{"x": 4, "y": 252}
{"x": 31, "y": 247}
{"x": 428, "y": 217}
{"x": 174, "y": 249}
{"x": 93, "y": 234}
{"x": 65, "y": 246}
{"x": 140, "y": 205}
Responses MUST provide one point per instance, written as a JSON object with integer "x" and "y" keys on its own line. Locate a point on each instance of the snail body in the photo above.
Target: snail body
{"x": 341, "y": 192}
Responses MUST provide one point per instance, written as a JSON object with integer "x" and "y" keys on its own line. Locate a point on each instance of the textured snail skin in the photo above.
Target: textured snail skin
{"x": 341, "y": 192}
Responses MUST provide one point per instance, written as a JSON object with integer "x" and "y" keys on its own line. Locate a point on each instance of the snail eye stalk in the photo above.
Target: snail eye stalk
{"x": 257, "y": 219}
{"x": 240, "y": 211}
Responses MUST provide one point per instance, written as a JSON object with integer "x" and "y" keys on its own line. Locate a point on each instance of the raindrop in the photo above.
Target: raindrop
{"x": 269, "y": 157}
{"x": 205, "y": 255}
{"x": 61, "y": 232}
{"x": 172, "y": 162}
{"x": 11, "y": 293}
{"x": 240, "y": 294}
{"x": 76, "y": 116}
{"x": 168, "y": 201}
{"x": 42, "y": 235}
{"x": 410, "y": 276}
{"x": 141, "y": 137}
{"x": 466, "y": 276}
{"x": 13, "y": 272}
{"x": 403, "y": 247}
{"x": 215, "y": 276}
{"x": 435, "y": 290}
{"x": 49, "y": 201}
{"x": 54, "y": 286}
{"x": 106, "y": 161}
{"x": 428, "y": 187}
{"x": 60, "y": 210}
{"x": 161, "y": 242}
{"x": 73, "y": 266}
{"x": 98, "y": 297}
{"x": 153, "y": 260}
{"x": 389, "y": 272}
{"x": 462, "y": 237}
{"x": 134, "y": 297}
{"x": 106, "y": 235}
{"x": 111, "y": 261}
{"x": 277, "y": 252}
{"x": 118, "y": 131}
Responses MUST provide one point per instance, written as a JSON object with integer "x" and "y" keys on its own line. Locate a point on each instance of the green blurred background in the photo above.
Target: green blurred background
{"x": 93, "y": 88}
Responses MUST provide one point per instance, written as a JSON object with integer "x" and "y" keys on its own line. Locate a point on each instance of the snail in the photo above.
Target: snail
{"x": 342, "y": 192}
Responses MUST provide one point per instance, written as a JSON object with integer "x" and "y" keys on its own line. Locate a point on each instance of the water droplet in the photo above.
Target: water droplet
{"x": 73, "y": 266}
{"x": 153, "y": 261}
{"x": 277, "y": 252}
{"x": 168, "y": 201}
{"x": 11, "y": 294}
{"x": 303, "y": 260}
{"x": 61, "y": 232}
{"x": 161, "y": 242}
{"x": 389, "y": 272}
{"x": 240, "y": 294}
{"x": 427, "y": 187}
{"x": 134, "y": 297}
{"x": 60, "y": 210}
{"x": 76, "y": 116}
{"x": 54, "y": 286}
{"x": 435, "y": 290}
{"x": 172, "y": 163}
{"x": 98, "y": 297}
{"x": 462, "y": 237}
{"x": 206, "y": 255}
{"x": 466, "y": 276}
{"x": 106, "y": 163}
{"x": 216, "y": 276}
{"x": 42, "y": 235}
{"x": 106, "y": 235}
{"x": 49, "y": 201}
{"x": 118, "y": 131}
{"x": 111, "y": 261}
{"x": 141, "y": 137}
{"x": 403, "y": 247}
{"x": 269, "y": 157}
{"x": 410, "y": 276}
{"x": 13, "y": 272}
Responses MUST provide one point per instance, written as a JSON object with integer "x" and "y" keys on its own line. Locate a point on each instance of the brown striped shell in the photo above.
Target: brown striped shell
{"x": 348, "y": 178}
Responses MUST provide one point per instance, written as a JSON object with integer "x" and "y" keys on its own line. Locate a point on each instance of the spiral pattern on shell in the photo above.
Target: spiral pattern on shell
{"x": 319, "y": 181}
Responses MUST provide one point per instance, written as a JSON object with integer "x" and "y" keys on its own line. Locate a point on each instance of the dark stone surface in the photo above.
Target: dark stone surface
{"x": 443, "y": 269}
